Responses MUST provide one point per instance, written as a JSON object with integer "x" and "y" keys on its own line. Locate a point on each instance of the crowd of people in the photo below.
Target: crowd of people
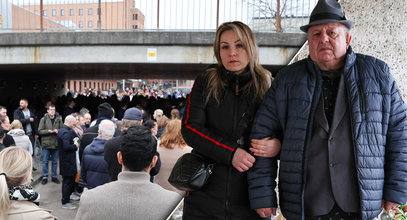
{"x": 335, "y": 121}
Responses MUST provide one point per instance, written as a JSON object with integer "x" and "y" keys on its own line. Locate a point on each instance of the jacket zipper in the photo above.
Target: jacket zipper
{"x": 353, "y": 135}
{"x": 314, "y": 104}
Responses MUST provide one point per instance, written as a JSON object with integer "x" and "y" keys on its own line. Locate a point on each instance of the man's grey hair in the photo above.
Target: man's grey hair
{"x": 107, "y": 128}
{"x": 69, "y": 119}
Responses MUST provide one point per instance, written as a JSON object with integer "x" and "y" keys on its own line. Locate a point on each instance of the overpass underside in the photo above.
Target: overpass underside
{"x": 66, "y": 71}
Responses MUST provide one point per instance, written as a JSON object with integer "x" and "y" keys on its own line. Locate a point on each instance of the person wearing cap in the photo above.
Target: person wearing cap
{"x": 105, "y": 111}
{"x": 343, "y": 128}
{"x": 132, "y": 196}
{"x": 132, "y": 117}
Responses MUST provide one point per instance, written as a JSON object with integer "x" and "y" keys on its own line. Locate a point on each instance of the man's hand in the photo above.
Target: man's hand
{"x": 266, "y": 212}
{"x": 31, "y": 119}
{"x": 389, "y": 205}
{"x": 242, "y": 161}
{"x": 265, "y": 147}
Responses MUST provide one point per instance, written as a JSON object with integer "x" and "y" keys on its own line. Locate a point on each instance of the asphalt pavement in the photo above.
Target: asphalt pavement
{"x": 51, "y": 194}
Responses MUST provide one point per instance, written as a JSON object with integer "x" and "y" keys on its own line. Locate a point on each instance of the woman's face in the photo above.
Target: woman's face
{"x": 154, "y": 129}
{"x": 233, "y": 54}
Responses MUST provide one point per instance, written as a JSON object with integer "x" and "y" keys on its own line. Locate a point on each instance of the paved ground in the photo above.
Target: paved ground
{"x": 51, "y": 199}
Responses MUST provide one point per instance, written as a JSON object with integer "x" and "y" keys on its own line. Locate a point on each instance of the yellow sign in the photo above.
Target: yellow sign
{"x": 1, "y": 19}
{"x": 151, "y": 54}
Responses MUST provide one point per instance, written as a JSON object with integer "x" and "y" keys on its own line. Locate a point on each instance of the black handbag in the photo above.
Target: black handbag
{"x": 190, "y": 172}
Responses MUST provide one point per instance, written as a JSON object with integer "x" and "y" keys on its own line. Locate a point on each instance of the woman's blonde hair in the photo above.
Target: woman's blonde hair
{"x": 16, "y": 124}
{"x": 172, "y": 136}
{"x": 16, "y": 164}
{"x": 261, "y": 78}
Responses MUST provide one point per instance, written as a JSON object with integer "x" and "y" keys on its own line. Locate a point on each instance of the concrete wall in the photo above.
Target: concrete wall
{"x": 380, "y": 31}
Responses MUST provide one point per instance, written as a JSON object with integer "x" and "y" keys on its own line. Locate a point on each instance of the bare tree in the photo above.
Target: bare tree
{"x": 276, "y": 10}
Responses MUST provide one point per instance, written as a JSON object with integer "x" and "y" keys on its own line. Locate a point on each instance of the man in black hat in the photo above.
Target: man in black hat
{"x": 105, "y": 111}
{"x": 343, "y": 128}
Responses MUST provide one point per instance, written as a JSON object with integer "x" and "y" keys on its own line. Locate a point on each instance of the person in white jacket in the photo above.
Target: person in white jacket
{"x": 19, "y": 136}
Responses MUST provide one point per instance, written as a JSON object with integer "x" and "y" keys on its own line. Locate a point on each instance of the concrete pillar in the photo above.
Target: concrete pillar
{"x": 379, "y": 31}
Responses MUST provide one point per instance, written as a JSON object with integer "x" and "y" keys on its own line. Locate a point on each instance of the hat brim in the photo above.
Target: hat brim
{"x": 347, "y": 23}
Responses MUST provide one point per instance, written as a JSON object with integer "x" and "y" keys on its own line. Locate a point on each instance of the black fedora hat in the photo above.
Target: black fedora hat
{"x": 327, "y": 11}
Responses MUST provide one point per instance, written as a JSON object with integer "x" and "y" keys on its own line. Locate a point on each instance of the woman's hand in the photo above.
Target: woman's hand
{"x": 242, "y": 161}
{"x": 265, "y": 147}
{"x": 266, "y": 212}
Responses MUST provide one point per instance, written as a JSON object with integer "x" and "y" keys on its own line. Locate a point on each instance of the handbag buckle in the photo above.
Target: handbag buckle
{"x": 210, "y": 167}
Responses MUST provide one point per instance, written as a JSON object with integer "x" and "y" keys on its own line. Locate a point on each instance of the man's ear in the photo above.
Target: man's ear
{"x": 120, "y": 158}
{"x": 348, "y": 39}
{"x": 153, "y": 161}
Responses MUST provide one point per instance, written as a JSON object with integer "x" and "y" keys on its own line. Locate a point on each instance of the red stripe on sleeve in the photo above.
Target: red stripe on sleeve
{"x": 200, "y": 133}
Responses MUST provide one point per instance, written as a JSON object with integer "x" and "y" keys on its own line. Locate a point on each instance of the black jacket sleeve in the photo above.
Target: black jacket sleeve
{"x": 197, "y": 135}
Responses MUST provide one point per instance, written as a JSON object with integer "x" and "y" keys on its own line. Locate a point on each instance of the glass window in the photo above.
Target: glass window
{"x": 36, "y": 12}
{"x": 71, "y": 12}
{"x": 54, "y": 12}
{"x": 62, "y": 12}
{"x": 45, "y": 13}
{"x": 90, "y": 11}
{"x": 90, "y": 23}
{"x": 134, "y": 16}
{"x": 80, "y": 11}
{"x": 80, "y": 24}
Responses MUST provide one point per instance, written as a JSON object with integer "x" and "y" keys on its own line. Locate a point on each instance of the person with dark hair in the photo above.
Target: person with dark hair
{"x": 153, "y": 127}
{"x": 27, "y": 117}
{"x": 133, "y": 194}
{"x": 6, "y": 126}
{"x": 132, "y": 117}
{"x": 48, "y": 129}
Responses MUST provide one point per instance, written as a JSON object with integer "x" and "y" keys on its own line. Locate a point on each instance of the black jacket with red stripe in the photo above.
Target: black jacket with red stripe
{"x": 211, "y": 130}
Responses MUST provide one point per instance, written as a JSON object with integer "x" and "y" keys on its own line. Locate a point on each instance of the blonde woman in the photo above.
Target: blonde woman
{"x": 17, "y": 198}
{"x": 218, "y": 120}
{"x": 19, "y": 136}
{"x": 172, "y": 146}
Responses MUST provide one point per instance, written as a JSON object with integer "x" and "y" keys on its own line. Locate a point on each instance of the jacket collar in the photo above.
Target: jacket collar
{"x": 349, "y": 62}
{"x": 133, "y": 176}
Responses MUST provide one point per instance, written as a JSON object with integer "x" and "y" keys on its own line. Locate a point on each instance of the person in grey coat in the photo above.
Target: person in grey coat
{"x": 343, "y": 128}
{"x": 132, "y": 196}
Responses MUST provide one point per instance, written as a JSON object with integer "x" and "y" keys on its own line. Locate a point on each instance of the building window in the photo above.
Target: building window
{"x": 90, "y": 11}
{"x": 90, "y": 23}
{"x": 36, "y": 12}
{"x": 71, "y": 12}
{"x": 134, "y": 16}
{"x": 45, "y": 13}
{"x": 80, "y": 24}
{"x": 54, "y": 12}
{"x": 80, "y": 11}
{"x": 134, "y": 26}
{"x": 62, "y": 12}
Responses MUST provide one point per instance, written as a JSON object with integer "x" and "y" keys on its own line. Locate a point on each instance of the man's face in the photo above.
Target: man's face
{"x": 87, "y": 118}
{"x": 23, "y": 104}
{"x": 3, "y": 113}
{"x": 51, "y": 111}
{"x": 328, "y": 44}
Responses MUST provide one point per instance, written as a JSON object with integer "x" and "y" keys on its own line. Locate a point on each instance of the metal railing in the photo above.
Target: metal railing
{"x": 126, "y": 15}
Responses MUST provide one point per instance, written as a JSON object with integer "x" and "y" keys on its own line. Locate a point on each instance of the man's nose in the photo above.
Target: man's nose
{"x": 324, "y": 38}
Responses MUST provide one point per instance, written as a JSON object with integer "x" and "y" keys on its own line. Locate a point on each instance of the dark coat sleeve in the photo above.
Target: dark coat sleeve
{"x": 395, "y": 187}
{"x": 67, "y": 140}
{"x": 197, "y": 135}
{"x": 18, "y": 115}
{"x": 261, "y": 177}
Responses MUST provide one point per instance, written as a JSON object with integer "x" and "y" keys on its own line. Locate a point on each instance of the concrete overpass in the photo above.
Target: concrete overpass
{"x": 140, "y": 54}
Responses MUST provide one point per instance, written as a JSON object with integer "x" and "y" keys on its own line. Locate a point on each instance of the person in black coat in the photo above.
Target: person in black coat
{"x": 68, "y": 144}
{"x": 105, "y": 111}
{"x": 217, "y": 124}
{"x": 132, "y": 118}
